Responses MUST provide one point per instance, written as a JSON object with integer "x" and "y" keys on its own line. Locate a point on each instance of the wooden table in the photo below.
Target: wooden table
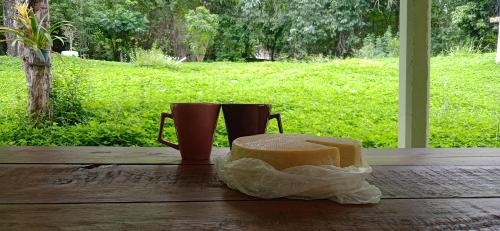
{"x": 104, "y": 188}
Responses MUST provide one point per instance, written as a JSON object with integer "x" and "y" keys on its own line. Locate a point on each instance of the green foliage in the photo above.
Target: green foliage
{"x": 153, "y": 57}
{"x": 93, "y": 133}
{"x": 325, "y": 26}
{"x": 106, "y": 29}
{"x": 384, "y": 46}
{"x": 459, "y": 24}
{"x": 472, "y": 21}
{"x": 120, "y": 26}
{"x": 369, "y": 47}
{"x": 354, "y": 98}
{"x": 296, "y": 29}
{"x": 233, "y": 40}
{"x": 32, "y": 31}
{"x": 68, "y": 93}
{"x": 318, "y": 59}
{"x": 3, "y": 45}
{"x": 201, "y": 28}
{"x": 268, "y": 23}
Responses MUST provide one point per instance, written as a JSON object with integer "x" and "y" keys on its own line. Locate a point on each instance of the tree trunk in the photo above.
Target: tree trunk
{"x": 178, "y": 37}
{"x": 38, "y": 73}
{"x": 9, "y": 12}
{"x": 39, "y": 81}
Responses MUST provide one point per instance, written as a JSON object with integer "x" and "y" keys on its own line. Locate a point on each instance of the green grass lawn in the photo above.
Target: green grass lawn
{"x": 354, "y": 98}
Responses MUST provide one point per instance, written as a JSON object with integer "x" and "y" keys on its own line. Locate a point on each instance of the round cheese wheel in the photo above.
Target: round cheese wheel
{"x": 286, "y": 150}
{"x": 283, "y": 152}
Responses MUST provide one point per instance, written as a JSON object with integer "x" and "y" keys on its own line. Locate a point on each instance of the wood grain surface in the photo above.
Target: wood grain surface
{"x": 96, "y": 155}
{"x": 109, "y": 188}
{"x": 161, "y": 183}
{"x": 415, "y": 214}
{"x": 437, "y": 181}
{"x": 138, "y": 155}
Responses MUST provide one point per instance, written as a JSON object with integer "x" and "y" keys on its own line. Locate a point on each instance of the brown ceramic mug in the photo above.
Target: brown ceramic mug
{"x": 194, "y": 126}
{"x": 248, "y": 119}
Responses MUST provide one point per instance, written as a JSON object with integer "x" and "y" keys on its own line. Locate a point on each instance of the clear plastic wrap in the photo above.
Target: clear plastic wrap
{"x": 257, "y": 178}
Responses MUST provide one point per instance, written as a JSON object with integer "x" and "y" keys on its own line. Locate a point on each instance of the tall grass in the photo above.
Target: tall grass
{"x": 356, "y": 98}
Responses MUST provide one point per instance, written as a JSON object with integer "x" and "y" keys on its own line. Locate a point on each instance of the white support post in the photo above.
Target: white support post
{"x": 497, "y": 20}
{"x": 414, "y": 66}
{"x": 498, "y": 42}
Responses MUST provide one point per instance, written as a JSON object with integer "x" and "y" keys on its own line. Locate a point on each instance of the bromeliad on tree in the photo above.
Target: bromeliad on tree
{"x": 31, "y": 31}
{"x": 34, "y": 34}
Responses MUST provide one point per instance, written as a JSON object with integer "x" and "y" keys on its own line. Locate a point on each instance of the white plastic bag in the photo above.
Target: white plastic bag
{"x": 257, "y": 178}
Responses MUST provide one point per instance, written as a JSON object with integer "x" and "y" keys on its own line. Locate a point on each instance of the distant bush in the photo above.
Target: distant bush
{"x": 318, "y": 58}
{"x": 67, "y": 94}
{"x": 201, "y": 31}
{"x": 466, "y": 47}
{"x": 93, "y": 133}
{"x": 153, "y": 57}
{"x": 231, "y": 40}
{"x": 384, "y": 46}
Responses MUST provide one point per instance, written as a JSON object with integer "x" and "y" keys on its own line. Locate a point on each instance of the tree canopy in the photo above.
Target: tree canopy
{"x": 112, "y": 29}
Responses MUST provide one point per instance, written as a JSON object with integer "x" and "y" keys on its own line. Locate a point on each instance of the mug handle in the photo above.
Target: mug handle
{"x": 277, "y": 116}
{"x": 160, "y": 139}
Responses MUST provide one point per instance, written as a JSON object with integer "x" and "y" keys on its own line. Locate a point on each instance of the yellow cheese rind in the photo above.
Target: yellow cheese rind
{"x": 284, "y": 151}
{"x": 287, "y": 159}
{"x": 350, "y": 152}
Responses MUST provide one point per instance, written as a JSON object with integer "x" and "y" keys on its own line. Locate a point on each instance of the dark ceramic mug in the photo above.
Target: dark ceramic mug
{"x": 248, "y": 119}
{"x": 194, "y": 126}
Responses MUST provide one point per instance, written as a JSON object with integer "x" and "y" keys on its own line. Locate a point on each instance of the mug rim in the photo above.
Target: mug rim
{"x": 187, "y": 103}
{"x": 246, "y": 104}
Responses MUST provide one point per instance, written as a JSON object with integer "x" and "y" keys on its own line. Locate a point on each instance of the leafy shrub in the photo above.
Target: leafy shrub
{"x": 471, "y": 22}
{"x": 466, "y": 47}
{"x": 320, "y": 58}
{"x": 93, "y": 133}
{"x": 202, "y": 28}
{"x": 67, "y": 94}
{"x": 153, "y": 57}
{"x": 384, "y": 46}
{"x": 368, "y": 49}
{"x": 231, "y": 41}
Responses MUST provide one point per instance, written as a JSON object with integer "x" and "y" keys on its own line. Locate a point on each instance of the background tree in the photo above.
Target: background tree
{"x": 327, "y": 27}
{"x": 33, "y": 35}
{"x": 3, "y": 45}
{"x": 201, "y": 29}
{"x": 38, "y": 74}
{"x": 287, "y": 29}
{"x": 472, "y": 22}
{"x": 308, "y": 33}
{"x": 8, "y": 14}
{"x": 106, "y": 29}
{"x": 268, "y": 22}
{"x": 462, "y": 24}
{"x": 78, "y": 12}
{"x": 120, "y": 26}
{"x": 69, "y": 33}
{"x": 234, "y": 38}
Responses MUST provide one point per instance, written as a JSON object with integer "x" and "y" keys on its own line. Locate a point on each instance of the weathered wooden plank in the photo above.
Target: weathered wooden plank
{"x": 437, "y": 181}
{"x": 420, "y": 214}
{"x": 433, "y": 156}
{"x": 160, "y": 183}
{"x": 111, "y": 183}
{"x": 155, "y": 151}
{"x": 432, "y": 161}
{"x": 96, "y": 155}
{"x": 123, "y": 155}
{"x": 435, "y": 152}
